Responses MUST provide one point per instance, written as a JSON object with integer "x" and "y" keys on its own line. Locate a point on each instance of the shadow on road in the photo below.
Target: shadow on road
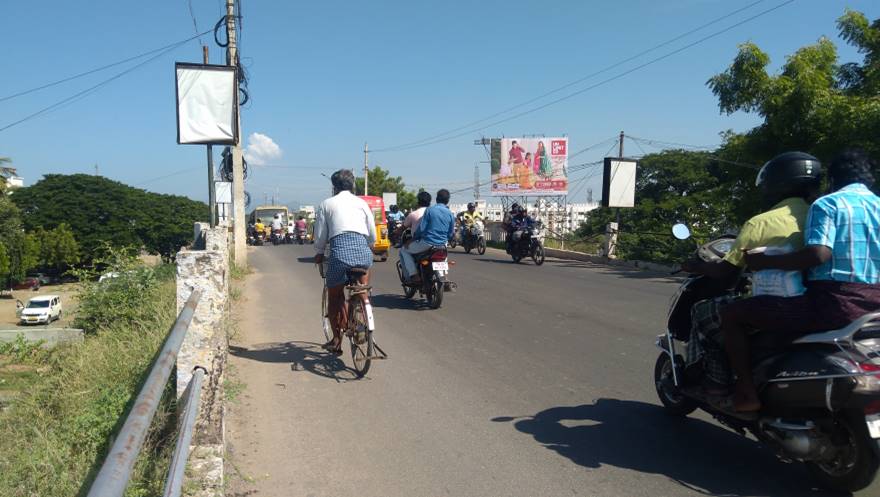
{"x": 302, "y": 356}
{"x": 642, "y": 437}
{"x": 395, "y": 301}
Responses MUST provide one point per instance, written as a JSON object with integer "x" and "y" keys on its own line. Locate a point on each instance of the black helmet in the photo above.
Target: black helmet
{"x": 791, "y": 174}
{"x": 471, "y": 205}
{"x": 394, "y": 208}
{"x": 514, "y": 208}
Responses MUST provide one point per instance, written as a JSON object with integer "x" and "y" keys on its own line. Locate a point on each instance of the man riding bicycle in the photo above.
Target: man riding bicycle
{"x": 346, "y": 223}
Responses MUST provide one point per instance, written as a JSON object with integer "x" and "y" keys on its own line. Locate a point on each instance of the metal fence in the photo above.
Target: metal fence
{"x": 115, "y": 473}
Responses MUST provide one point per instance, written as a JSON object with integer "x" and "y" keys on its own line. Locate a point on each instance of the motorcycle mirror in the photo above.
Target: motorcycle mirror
{"x": 681, "y": 231}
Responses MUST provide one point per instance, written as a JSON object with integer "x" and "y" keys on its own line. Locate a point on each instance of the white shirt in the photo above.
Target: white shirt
{"x": 277, "y": 224}
{"x": 414, "y": 218}
{"x": 340, "y": 213}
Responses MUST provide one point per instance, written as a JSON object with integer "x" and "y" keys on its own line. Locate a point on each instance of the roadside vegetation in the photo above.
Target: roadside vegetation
{"x": 57, "y": 430}
{"x": 814, "y": 104}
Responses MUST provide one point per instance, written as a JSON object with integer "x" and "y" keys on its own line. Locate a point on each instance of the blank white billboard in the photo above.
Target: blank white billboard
{"x": 206, "y": 104}
{"x": 619, "y": 183}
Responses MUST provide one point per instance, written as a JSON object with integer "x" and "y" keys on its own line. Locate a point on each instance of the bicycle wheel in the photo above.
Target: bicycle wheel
{"x": 325, "y": 318}
{"x": 361, "y": 337}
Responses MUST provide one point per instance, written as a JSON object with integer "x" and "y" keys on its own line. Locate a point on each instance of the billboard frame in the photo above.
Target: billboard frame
{"x": 607, "y": 179}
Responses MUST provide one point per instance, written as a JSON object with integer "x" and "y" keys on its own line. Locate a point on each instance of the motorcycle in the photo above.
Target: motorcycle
{"x": 394, "y": 232}
{"x": 526, "y": 242}
{"x": 433, "y": 269}
{"x": 820, "y": 393}
{"x": 277, "y": 237}
{"x": 289, "y": 238}
{"x": 255, "y": 238}
{"x": 301, "y": 236}
{"x": 472, "y": 237}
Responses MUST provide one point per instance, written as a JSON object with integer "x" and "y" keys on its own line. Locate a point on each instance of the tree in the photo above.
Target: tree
{"x": 99, "y": 211}
{"x": 4, "y": 263}
{"x": 381, "y": 182}
{"x": 814, "y": 104}
{"x": 58, "y": 249}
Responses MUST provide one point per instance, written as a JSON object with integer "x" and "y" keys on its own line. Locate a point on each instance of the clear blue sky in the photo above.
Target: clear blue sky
{"x": 328, "y": 76}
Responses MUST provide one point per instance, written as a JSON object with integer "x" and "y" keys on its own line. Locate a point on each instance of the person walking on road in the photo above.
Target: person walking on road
{"x": 345, "y": 223}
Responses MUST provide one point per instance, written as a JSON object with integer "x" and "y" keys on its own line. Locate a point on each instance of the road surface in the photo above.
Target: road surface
{"x": 529, "y": 381}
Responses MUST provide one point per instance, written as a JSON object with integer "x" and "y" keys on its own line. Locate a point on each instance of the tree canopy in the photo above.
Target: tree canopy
{"x": 381, "y": 182}
{"x": 99, "y": 211}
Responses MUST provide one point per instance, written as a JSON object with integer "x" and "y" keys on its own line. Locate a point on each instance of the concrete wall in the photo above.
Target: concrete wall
{"x": 51, "y": 336}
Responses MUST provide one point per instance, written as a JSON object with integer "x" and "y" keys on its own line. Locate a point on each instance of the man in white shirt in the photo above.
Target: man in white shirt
{"x": 345, "y": 223}
{"x": 277, "y": 223}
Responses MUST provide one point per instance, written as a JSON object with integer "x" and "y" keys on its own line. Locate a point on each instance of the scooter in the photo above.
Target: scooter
{"x": 820, "y": 393}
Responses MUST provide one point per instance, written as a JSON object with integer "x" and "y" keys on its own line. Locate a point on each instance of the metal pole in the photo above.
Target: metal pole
{"x": 366, "y": 170}
{"x": 174, "y": 481}
{"x": 239, "y": 234}
{"x": 212, "y": 198}
{"x": 116, "y": 470}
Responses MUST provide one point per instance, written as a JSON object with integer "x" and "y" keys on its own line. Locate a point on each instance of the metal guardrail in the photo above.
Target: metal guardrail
{"x": 115, "y": 473}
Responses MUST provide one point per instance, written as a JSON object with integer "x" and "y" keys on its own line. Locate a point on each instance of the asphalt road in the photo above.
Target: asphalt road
{"x": 529, "y": 381}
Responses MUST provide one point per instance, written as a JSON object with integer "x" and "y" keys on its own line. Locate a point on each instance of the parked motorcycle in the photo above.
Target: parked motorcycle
{"x": 527, "y": 243}
{"x": 473, "y": 238}
{"x": 820, "y": 393}
{"x": 433, "y": 269}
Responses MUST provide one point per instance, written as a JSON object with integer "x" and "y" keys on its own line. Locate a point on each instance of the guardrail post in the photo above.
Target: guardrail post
{"x": 205, "y": 346}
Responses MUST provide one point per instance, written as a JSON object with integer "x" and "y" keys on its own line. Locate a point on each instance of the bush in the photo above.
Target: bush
{"x": 54, "y": 437}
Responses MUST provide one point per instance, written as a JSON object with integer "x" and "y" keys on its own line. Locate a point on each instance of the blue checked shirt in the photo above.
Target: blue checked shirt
{"x": 848, "y": 222}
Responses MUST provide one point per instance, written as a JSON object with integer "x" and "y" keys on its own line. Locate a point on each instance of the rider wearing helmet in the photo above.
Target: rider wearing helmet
{"x": 787, "y": 183}
{"x": 395, "y": 214}
{"x": 277, "y": 223}
{"x": 842, "y": 254}
{"x": 507, "y": 224}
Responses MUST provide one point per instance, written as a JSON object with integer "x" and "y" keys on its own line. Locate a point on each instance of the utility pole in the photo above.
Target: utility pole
{"x": 614, "y": 228}
{"x": 212, "y": 201}
{"x": 238, "y": 233}
{"x": 96, "y": 169}
{"x": 366, "y": 169}
{"x": 477, "y": 181}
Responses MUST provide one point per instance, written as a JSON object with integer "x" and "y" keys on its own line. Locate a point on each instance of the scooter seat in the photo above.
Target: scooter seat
{"x": 764, "y": 344}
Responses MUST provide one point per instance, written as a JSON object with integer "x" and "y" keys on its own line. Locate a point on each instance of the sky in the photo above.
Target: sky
{"x": 326, "y": 77}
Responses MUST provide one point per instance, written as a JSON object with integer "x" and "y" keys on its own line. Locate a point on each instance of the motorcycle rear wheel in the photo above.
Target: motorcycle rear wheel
{"x": 857, "y": 465}
{"x": 435, "y": 297}
{"x": 674, "y": 402}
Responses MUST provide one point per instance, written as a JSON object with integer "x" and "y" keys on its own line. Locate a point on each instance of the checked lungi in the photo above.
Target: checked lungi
{"x": 706, "y": 342}
{"x": 347, "y": 250}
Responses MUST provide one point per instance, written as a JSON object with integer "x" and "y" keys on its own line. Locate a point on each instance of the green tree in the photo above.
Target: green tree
{"x": 814, "y": 104}
{"x": 99, "y": 211}
{"x": 58, "y": 249}
{"x": 381, "y": 182}
{"x": 4, "y": 263}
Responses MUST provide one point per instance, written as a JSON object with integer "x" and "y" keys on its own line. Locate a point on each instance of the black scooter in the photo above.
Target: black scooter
{"x": 820, "y": 393}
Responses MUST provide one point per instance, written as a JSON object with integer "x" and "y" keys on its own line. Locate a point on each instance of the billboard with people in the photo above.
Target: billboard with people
{"x": 529, "y": 166}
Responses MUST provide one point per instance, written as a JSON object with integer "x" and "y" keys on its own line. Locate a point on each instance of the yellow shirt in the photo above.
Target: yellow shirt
{"x": 780, "y": 226}
{"x": 259, "y": 227}
{"x": 469, "y": 218}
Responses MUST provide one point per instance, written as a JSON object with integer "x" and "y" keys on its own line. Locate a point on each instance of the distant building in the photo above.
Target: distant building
{"x": 11, "y": 177}
{"x": 564, "y": 218}
{"x": 308, "y": 210}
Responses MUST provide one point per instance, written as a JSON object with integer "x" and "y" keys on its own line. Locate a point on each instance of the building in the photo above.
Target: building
{"x": 11, "y": 177}
{"x": 563, "y": 219}
{"x": 308, "y": 210}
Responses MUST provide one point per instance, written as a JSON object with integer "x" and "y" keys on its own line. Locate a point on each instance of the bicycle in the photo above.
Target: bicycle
{"x": 360, "y": 325}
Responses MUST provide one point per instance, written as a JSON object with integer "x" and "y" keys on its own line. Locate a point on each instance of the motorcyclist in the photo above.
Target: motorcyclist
{"x": 435, "y": 230}
{"x": 466, "y": 219}
{"x": 395, "y": 215}
{"x": 842, "y": 255}
{"x": 277, "y": 223}
{"x": 787, "y": 182}
{"x": 259, "y": 227}
{"x": 301, "y": 227}
{"x": 506, "y": 223}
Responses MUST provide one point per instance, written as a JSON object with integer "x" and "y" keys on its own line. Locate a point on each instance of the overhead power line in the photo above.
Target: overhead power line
{"x": 437, "y": 138}
{"x": 101, "y": 68}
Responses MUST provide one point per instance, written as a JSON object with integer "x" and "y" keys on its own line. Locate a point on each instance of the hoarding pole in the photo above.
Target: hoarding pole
{"x": 212, "y": 199}
{"x": 616, "y": 230}
{"x": 239, "y": 221}
{"x": 366, "y": 170}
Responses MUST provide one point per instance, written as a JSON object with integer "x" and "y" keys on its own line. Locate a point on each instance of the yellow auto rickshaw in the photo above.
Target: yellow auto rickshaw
{"x": 377, "y": 205}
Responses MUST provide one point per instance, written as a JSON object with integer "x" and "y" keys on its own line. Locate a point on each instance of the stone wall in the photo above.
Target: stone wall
{"x": 206, "y": 267}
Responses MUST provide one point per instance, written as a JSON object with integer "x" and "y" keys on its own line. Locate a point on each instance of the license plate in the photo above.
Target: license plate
{"x": 440, "y": 266}
{"x": 873, "y": 421}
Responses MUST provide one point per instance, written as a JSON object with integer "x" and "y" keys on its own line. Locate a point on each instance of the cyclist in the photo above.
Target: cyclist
{"x": 345, "y": 223}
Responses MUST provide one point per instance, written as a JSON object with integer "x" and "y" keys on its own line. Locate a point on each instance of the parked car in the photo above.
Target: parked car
{"x": 29, "y": 283}
{"x": 42, "y": 310}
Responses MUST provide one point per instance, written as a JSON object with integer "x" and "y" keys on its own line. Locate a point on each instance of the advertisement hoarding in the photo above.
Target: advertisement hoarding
{"x": 529, "y": 166}
{"x": 206, "y": 104}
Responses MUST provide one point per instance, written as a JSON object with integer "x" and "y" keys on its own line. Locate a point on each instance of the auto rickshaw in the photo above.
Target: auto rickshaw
{"x": 377, "y": 205}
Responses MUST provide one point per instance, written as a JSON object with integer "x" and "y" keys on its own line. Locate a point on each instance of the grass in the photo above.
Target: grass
{"x": 55, "y": 434}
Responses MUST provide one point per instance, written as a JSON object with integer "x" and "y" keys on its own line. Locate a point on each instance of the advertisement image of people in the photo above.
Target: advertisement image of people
{"x": 529, "y": 166}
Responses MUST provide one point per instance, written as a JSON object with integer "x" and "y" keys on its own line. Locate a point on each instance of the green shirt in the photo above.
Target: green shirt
{"x": 782, "y": 225}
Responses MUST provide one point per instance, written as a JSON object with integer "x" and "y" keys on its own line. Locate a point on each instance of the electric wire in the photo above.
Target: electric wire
{"x": 93, "y": 88}
{"x": 580, "y": 80}
{"x": 192, "y": 14}
{"x": 101, "y": 68}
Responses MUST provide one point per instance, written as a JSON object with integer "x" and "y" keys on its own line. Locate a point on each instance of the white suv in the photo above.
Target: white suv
{"x": 44, "y": 309}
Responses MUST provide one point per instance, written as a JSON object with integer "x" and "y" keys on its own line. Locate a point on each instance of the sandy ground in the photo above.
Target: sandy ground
{"x": 8, "y": 319}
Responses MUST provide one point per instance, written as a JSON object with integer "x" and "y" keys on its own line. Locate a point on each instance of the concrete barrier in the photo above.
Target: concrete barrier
{"x": 50, "y": 336}
{"x": 597, "y": 259}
